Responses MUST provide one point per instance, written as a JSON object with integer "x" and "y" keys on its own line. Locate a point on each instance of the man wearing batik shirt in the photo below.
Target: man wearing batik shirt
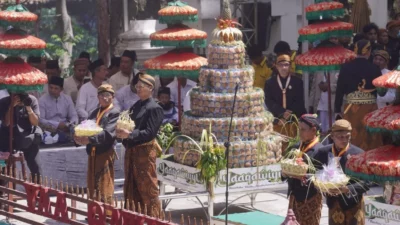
{"x": 57, "y": 111}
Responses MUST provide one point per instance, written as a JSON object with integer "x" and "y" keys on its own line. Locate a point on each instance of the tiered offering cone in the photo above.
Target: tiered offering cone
{"x": 381, "y": 164}
{"x": 212, "y": 102}
{"x": 327, "y": 56}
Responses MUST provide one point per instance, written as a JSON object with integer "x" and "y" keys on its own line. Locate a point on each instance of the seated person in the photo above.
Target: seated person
{"x": 171, "y": 114}
{"x": 57, "y": 110}
{"x": 126, "y": 96}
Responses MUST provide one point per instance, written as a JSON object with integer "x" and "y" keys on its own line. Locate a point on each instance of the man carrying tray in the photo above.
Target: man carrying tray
{"x": 346, "y": 204}
{"x": 100, "y": 148}
{"x": 141, "y": 185}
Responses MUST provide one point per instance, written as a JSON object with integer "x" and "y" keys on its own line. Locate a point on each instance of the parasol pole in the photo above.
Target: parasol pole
{"x": 304, "y": 48}
{"x": 329, "y": 100}
{"x": 10, "y": 166}
{"x": 180, "y": 107}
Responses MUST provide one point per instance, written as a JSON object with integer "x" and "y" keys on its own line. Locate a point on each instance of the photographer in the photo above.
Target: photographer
{"x": 26, "y": 133}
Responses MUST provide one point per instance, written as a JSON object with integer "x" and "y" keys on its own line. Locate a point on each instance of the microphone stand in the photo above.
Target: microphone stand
{"x": 227, "y": 146}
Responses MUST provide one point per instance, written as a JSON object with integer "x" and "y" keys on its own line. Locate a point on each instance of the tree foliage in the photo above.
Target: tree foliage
{"x": 84, "y": 29}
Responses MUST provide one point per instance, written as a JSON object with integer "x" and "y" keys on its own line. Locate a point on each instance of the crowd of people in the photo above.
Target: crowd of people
{"x": 100, "y": 93}
{"x": 342, "y": 98}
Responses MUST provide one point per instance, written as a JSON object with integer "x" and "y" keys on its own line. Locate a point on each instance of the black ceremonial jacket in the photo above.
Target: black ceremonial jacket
{"x": 294, "y": 96}
{"x": 106, "y": 139}
{"x": 357, "y": 189}
{"x": 148, "y": 117}
{"x": 305, "y": 191}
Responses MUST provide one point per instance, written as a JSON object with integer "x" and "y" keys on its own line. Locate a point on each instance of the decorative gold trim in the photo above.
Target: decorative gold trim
{"x": 360, "y": 98}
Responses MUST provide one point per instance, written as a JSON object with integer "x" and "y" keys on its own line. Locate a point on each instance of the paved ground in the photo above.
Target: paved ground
{"x": 274, "y": 202}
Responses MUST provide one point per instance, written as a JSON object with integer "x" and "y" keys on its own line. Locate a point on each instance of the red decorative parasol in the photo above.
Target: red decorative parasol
{"x": 16, "y": 42}
{"x": 175, "y": 63}
{"x": 379, "y": 165}
{"x": 324, "y": 10}
{"x": 17, "y": 15}
{"x": 324, "y": 59}
{"x": 384, "y": 119}
{"x": 325, "y": 30}
{"x": 179, "y": 36}
{"x": 176, "y": 12}
{"x": 18, "y": 76}
{"x": 388, "y": 80}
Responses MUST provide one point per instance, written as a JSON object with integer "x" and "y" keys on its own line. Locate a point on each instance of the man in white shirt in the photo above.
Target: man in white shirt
{"x": 126, "y": 73}
{"x": 57, "y": 111}
{"x": 73, "y": 83}
{"x": 319, "y": 98}
{"x": 186, "y": 86}
{"x": 381, "y": 59}
{"x": 87, "y": 100}
{"x": 127, "y": 96}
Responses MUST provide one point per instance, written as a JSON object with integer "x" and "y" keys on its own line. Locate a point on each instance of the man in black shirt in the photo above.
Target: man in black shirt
{"x": 355, "y": 85}
{"x": 141, "y": 184}
{"x": 26, "y": 133}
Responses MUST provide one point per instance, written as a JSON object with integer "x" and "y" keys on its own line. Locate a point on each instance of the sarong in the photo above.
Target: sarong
{"x": 307, "y": 212}
{"x": 360, "y": 137}
{"x": 289, "y": 130}
{"x": 353, "y": 216}
{"x": 141, "y": 184}
{"x": 100, "y": 176}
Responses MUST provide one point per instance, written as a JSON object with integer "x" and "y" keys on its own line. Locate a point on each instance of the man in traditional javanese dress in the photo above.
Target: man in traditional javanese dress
{"x": 141, "y": 186}
{"x": 355, "y": 85}
{"x": 346, "y": 206}
{"x": 284, "y": 97}
{"x": 100, "y": 148}
{"x": 305, "y": 200}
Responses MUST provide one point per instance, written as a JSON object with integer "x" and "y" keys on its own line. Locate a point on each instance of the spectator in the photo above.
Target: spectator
{"x": 371, "y": 32}
{"x": 52, "y": 68}
{"x": 259, "y": 63}
{"x": 383, "y": 39}
{"x": 87, "y": 100}
{"x": 57, "y": 111}
{"x": 36, "y": 62}
{"x": 127, "y": 96}
{"x": 381, "y": 59}
{"x": 127, "y": 72}
{"x": 27, "y": 134}
{"x": 393, "y": 45}
{"x": 186, "y": 85}
{"x": 85, "y": 55}
{"x": 114, "y": 67}
{"x": 73, "y": 83}
{"x": 357, "y": 37}
{"x": 170, "y": 111}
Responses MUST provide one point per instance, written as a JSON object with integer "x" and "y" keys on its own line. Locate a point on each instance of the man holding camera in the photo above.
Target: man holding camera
{"x": 26, "y": 133}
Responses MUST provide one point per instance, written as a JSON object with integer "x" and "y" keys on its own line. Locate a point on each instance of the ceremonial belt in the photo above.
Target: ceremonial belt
{"x": 360, "y": 97}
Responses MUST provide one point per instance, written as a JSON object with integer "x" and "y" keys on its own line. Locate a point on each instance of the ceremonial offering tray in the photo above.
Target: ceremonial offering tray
{"x": 87, "y": 128}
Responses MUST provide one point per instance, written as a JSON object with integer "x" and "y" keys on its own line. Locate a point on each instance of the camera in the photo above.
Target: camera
{"x": 25, "y": 99}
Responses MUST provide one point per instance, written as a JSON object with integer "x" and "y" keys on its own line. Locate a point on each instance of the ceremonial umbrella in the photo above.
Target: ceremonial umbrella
{"x": 180, "y": 62}
{"x": 386, "y": 118}
{"x": 325, "y": 30}
{"x": 379, "y": 165}
{"x": 17, "y": 16}
{"x": 179, "y": 36}
{"x": 326, "y": 56}
{"x": 15, "y": 42}
{"x": 170, "y": 64}
{"x": 176, "y": 12}
{"x": 324, "y": 10}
